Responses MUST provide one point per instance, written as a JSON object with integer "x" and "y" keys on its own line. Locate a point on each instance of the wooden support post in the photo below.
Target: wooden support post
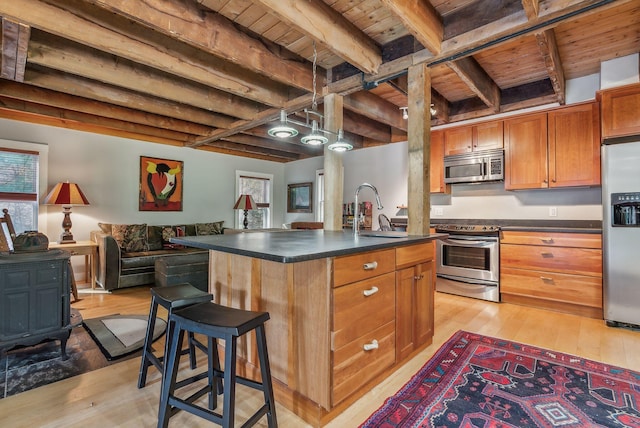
{"x": 419, "y": 135}
{"x": 333, "y": 170}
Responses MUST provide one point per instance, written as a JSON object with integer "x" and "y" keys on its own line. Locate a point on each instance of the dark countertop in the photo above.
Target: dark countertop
{"x": 550, "y": 226}
{"x": 298, "y": 246}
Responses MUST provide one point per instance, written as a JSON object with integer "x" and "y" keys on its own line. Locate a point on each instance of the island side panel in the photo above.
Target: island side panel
{"x": 297, "y": 297}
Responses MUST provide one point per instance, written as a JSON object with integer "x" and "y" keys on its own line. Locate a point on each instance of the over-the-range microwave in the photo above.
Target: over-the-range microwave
{"x": 474, "y": 167}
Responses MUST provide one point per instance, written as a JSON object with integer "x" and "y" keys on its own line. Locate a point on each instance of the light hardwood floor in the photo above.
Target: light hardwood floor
{"x": 109, "y": 397}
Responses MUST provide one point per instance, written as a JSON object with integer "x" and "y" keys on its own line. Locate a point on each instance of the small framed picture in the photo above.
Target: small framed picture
{"x": 300, "y": 198}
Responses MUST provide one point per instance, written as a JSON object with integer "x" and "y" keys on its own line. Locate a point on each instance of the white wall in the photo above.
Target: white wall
{"x": 107, "y": 170}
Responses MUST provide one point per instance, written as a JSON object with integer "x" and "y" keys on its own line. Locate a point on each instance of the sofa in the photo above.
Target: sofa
{"x": 127, "y": 253}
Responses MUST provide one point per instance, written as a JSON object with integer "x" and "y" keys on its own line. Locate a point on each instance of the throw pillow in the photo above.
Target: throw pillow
{"x": 130, "y": 237}
{"x": 154, "y": 238}
{"x": 169, "y": 232}
{"x": 105, "y": 227}
{"x": 209, "y": 228}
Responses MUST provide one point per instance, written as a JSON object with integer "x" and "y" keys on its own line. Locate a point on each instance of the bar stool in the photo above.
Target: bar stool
{"x": 169, "y": 297}
{"x": 224, "y": 323}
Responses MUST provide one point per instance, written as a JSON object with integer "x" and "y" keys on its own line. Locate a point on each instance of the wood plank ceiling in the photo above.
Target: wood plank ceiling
{"x": 214, "y": 74}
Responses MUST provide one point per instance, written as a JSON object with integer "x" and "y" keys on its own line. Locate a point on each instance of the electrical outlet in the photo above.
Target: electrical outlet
{"x": 438, "y": 211}
{"x": 553, "y": 212}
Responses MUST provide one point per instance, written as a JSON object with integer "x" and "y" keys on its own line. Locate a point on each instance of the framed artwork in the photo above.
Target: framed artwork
{"x": 161, "y": 182}
{"x": 300, "y": 198}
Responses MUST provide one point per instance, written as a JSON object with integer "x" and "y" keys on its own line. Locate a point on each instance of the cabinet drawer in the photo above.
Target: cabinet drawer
{"x": 579, "y": 261}
{"x": 414, "y": 254}
{"x": 577, "y": 289}
{"x": 353, "y": 366}
{"x": 348, "y": 269}
{"x": 356, "y": 314}
{"x": 579, "y": 240}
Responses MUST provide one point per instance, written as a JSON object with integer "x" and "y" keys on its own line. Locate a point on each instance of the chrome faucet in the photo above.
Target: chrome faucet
{"x": 356, "y": 213}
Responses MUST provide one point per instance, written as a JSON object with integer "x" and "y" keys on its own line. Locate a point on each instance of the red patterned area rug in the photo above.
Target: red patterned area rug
{"x": 480, "y": 381}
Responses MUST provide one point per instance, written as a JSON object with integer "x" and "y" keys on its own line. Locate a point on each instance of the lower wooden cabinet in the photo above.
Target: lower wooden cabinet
{"x": 558, "y": 271}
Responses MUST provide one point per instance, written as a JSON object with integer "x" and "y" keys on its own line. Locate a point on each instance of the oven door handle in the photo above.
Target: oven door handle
{"x": 466, "y": 243}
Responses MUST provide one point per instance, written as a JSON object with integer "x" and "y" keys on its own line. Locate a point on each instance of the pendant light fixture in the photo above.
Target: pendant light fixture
{"x": 314, "y": 120}
{"x": 340, "y": 145}
{"x": 283, "y": 130}
{"x": 315, "y": 138}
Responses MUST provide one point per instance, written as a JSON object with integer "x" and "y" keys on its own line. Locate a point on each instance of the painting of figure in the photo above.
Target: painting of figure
{"x": 160, "y": 184}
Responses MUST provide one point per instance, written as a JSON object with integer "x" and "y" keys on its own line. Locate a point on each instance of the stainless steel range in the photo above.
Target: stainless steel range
{"x": 468, "y": 261}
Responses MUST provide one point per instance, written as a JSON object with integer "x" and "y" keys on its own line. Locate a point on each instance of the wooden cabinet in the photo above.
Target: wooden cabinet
{"x": 473, "y": 138}
{"x": 363, "y": 334}
{"x": 574, "y": 146}
{"x": 34, "y": 298}
{"x": 620, "y": 107}
{"x": 525, "y": 153}
{"x": 555, "y": 149}
{"x": 436, "y": 164}
{"x": 559, "y": 271}
{"x": 414, "y": 298}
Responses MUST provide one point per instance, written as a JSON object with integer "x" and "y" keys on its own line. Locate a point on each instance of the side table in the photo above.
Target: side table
{"x": 89, "y": 250}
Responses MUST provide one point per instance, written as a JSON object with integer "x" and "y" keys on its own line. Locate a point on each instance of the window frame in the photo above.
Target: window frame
{"x": 239, "y": 216}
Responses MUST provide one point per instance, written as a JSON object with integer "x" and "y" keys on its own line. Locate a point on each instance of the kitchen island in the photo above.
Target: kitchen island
{"x": 346, "y": 311}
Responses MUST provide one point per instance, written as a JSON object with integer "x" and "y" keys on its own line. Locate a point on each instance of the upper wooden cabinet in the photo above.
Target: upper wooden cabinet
{"x": 472, "y": 138}
{"x": 560, "y": 148}
{"x": 620, "y": 107}
{"x": 574, "y": 146}
{"x": 525, "y": 154}
{"x": 436, "y": 164}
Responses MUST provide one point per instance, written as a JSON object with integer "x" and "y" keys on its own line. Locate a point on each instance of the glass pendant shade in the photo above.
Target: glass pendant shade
{"x": 283, "y": 130}
{"x": 340, "y": 145}
{"x": 315, "y": 138}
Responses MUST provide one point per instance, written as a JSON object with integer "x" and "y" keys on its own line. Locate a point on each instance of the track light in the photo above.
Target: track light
{"x": 340, "y": 145}
{"x": 405, "y": 112}
{"x": 315, "y": 138}
{"x": 283, "y": 130}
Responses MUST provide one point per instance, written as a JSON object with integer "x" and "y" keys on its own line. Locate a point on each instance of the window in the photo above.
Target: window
{"x": 19, "y": 187}
{"x": 260, "y": 187}
{"x": 320, "y": 195}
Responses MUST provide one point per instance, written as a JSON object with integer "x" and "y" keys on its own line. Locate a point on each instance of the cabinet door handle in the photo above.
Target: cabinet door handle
{"x": 418, "y": 277}
{"x": 547, "y": 240}
{"x": 370, "y": 266}
{"x": 547, "y": 279}
{"x": 371, "y": 346}
{"x": 370, "y": 292}
{"x": 547, "y": 255}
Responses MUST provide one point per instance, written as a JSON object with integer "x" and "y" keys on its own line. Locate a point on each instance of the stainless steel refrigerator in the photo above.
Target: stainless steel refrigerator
{"x": 621, "y": 232}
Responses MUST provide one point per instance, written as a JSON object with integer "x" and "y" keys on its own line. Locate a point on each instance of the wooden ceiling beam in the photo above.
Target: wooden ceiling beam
{"x": 34, "y": 113}
{"x": 13, "y": 42}
{"x": 260, "y": 138}
{"x": 374, "y": 107}
{"x": 551, "y": 56}
{"x": 480, "y": 83}
{"x": 72, "y": 22}
{"x": 75, "y": 59}
{"x": 422, "y": 20}
{"x": 64, "y": 101}
{"x": 228, "y": 149}
{"x": 227, "y": 143}
{"x": 213, "y": 33}
{"x": 531, "y": 8}
{"x": 92, "y": 89}
{"x": 322, "y": 23}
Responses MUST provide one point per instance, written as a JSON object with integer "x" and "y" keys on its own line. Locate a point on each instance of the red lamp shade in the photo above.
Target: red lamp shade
{"x": 66, "y": 194}
{"x": 246, "y": 203}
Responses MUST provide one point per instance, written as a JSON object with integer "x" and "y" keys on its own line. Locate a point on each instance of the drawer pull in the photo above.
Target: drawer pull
{"x": 370, "y": 266}
{"x": 371, "y": 346}
{"x": 547, "y": 240}
{"x": 370, "y": 292}
{"x": 547, "y": 255}
{"x": 547, "y": 279}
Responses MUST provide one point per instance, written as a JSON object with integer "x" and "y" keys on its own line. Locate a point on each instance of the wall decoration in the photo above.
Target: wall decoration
{"x": 161, "y": 183}
{"x": 300, "y": 198}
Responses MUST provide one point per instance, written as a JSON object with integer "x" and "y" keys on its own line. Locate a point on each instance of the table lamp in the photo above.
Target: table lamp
{"x": 66, "y": 194}
{"x": 246, "y": 203}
